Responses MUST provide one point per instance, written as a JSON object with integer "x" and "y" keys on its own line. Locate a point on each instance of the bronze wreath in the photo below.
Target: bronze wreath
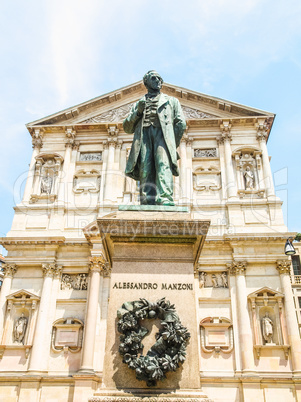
{"x": 166, "y": 354}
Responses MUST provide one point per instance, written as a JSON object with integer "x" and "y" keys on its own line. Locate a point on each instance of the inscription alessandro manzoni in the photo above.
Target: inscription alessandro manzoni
{"x": 145, "y": 285}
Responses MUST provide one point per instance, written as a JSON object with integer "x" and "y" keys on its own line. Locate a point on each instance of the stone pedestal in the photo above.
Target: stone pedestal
{"x": 153, "y": 255}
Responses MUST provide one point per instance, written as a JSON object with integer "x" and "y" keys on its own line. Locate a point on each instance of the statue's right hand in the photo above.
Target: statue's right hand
{"x": 141, "y": 106}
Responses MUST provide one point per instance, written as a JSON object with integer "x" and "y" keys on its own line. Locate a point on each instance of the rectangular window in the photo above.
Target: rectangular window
{"x": 296, "y": 264}
{"x": 299, "y": 300}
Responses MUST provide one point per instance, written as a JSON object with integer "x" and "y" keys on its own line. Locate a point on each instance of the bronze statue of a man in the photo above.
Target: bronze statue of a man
{"x": 158, "y": 124}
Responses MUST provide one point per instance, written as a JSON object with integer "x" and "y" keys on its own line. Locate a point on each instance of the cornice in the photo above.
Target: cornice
{"x": 191, "y": 124}
{"x": 41, "y": 241}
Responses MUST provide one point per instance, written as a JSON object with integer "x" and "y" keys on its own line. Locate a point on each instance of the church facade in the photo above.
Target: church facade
{"x": 79, "y": 249}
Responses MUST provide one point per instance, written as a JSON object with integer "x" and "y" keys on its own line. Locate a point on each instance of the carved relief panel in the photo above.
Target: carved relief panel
{"x": 120, "y": 113}
{"x": 75, "y": 282}
{"x": 213, "y": 279}
{"x": 47, "y": 175}
{"x": 266, "y": 307}
{"x": 205, "y": 153}
{"x": 90, "y": 156}
{"x": 19, "y": 323}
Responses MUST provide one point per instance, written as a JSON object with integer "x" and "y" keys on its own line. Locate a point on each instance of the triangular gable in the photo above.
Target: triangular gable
{"x": 114, "y": 106}
{"x": 265, "y": 291}
{"x": 22, "y": 294}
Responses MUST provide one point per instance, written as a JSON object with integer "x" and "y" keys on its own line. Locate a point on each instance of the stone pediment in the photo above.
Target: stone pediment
{"x": 265, "y": 292}
{"x": 114, "y": 107}
{"x": 22, "y": 295}
{"x": 120, "y": 113}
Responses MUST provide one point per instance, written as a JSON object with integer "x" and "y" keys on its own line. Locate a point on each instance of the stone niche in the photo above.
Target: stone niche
{"x": 19, "y": 323}
{"x": 67, "y": 335}
{"x": 47, "y": 176}
{"x": 249, "y": 175}
{"x": 266, "y": 308}
{"x": 216, "y": 335}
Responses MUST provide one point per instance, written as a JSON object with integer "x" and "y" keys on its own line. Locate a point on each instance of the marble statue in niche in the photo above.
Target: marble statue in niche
{"x": 249, "y": 178}
{"x": 20, "y": 329}
{"x": 267, "y": 328}
{"x": 46, "y": 184}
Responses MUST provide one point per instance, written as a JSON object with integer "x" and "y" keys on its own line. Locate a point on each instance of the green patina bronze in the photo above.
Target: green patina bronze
{"x": 169, "y": 350}
{"x": 158, "y": 124}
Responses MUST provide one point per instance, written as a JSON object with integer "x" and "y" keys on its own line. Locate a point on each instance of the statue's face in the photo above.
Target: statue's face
{"x": 154, "y": 82}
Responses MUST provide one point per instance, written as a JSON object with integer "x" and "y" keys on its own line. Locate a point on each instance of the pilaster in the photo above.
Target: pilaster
{"x": 226, "y": 138}
{"x": 238, "y": 268}
{"x": 40, "y": 348}
{"x": 283, "y": 267}
{"x": 37, "y": 144}
{"x": 98, "y": 269}
{"x": 9, "y": 271}
{"x": 267, "y": 172}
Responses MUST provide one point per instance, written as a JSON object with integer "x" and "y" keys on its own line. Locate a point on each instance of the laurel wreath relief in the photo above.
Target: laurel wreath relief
{"x": 169, "y": 350}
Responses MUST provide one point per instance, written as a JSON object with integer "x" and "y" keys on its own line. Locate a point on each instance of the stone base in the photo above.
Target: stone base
{"x": 136, "y": 395}
{"x": 153, "y": 208}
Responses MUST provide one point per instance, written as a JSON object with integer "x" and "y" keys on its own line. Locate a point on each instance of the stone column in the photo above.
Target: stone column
{"x": 119, "y": 173}
{"x": 189, "y": 185}
{"x": 54, "y": 295}
{"x": 37, "y": 145}
{"x": 103, "y": 172}
{"x": 226, "y": 138}
{"x": 221, "y": 151}
{"x": 41, "y": 341}
{"x": 238, "y": 268}
{"x": 97, "y": 267}
{"x": 70, "y": 143}
{"x": 9, "y": 272}
{"x": 183, "y": 169}
{"x": 109, "y": 180}
{"x": 293, "y": 334}
{"x": 233, "y": 295}
{"x": 267, "y": 172}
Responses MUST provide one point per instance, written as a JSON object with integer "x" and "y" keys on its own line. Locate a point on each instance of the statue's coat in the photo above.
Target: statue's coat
{"x": 173, "y": 125}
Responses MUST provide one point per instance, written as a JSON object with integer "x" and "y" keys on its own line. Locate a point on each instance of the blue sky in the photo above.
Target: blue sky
{"x": 56, "y": 54}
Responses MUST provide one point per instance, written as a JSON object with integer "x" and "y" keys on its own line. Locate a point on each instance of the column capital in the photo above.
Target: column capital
{"x": 76, "y": 145}
{"x": 57, "y": 271}
{"x": 37, "y": 138}
{"x": 9, "y": 270}
{"x": 70, "y": 134}
{"x": 284, "y": 266}
{"x": 186, "y": 139}
{"x": 99, "y": 264}
{"x": 237, "y": 268}
{"x": 113, "y": 131}
{"x": 262, "y": 132}
{"x": 119, "y": 144}
{"x": 50, "y": 269}
{"x": 225, "y": 128}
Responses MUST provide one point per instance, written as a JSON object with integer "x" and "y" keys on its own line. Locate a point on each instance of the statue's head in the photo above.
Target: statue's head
{"x": 153, "y": 80}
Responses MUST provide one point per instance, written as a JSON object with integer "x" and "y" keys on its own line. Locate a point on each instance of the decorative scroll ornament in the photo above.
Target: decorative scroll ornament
{"x": 166, "y": 354}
